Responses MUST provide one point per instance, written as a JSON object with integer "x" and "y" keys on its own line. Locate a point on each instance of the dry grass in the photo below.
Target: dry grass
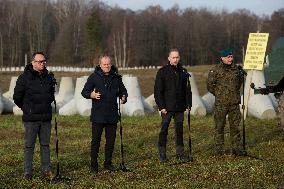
{"x": 264, "y": 140}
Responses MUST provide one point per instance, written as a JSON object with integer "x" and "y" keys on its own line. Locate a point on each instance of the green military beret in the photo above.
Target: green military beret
{"x": 226, "y": 52}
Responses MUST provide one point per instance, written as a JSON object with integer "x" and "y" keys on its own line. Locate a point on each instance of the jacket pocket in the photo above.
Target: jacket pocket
{"x": 27, "y": 109}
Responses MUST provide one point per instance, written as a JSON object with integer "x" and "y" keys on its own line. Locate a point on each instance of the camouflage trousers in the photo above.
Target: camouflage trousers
{"x": 234, "y": 117}
{"x": 281, "y": 110}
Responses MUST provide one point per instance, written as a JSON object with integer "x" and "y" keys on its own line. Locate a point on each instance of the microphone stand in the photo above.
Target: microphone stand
{"x": 58, "y": 176}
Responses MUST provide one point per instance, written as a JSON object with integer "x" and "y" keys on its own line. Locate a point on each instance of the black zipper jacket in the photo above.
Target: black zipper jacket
{"x": 34, "y": 93}
{"x": 172, "y": 89}
{"x": 105, "y": 110}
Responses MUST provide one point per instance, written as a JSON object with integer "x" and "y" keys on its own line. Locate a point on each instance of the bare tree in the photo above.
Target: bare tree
{"x": 121, "y": 44}
{"x": 1, "y": 50}
{"x": 134, "y": 38}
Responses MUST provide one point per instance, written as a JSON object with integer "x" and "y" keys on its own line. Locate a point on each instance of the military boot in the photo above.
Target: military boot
{"x": 162, "y": 153}
{"x": 219, "y": 150}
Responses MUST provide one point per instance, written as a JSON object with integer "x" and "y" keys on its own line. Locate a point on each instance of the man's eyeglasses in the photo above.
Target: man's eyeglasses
{"x": 40, "y": 61}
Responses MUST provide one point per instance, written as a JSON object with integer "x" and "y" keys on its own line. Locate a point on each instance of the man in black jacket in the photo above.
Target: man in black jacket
{"x": 34, "y": 93}
{"x": 279, "y": 88}
{"x": 173, "y": 96}
{"x": 103, "y": 87}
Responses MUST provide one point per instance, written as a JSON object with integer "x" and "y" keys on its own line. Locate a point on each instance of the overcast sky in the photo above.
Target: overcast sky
{"x": 258, "y": 7}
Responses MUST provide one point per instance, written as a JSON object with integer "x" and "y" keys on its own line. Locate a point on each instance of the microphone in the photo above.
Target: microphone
{"x": 186, "y": 73}
{"x": 242, "y": 71}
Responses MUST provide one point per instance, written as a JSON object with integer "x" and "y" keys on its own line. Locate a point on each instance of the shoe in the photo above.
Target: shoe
{"x": 219, "y": 151}
{"x": 94, "y": 170}
{"x": 110, "y": 167}
{"x": 28, "y": 176}
{"x": 48, "y": 174}
{"x": 94, "y": 166}
{"x": 163, "y": 159}
{"x": 182, "y": 158}
{"x": 162, "y": 154}
{"x": 239, "y": 152}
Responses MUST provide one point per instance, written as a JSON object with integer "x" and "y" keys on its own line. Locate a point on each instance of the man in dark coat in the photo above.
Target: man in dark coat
{"x": 279, "y": 88}
{"x": 224, "y": 82}
{"x": 173, "y": 96}
{"x": 34, "y": 93}
{"x": 103, "y": 87}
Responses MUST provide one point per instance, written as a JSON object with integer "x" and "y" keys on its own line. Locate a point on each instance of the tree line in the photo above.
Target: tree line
{"x": 77, "y": 32}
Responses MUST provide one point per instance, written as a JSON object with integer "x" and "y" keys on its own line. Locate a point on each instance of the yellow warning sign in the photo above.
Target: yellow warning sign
{"x": 255, "y": 52}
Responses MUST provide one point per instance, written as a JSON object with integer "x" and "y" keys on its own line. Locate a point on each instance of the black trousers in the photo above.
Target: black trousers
{"x": 166, "y": 119}
{"x": 110, "y": 135}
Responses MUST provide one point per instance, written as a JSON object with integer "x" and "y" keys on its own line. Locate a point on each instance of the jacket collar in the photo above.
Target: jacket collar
{"x": 29, "y": 70}
{"x": 177, "y": 67}
{"x": 113, "y": 70}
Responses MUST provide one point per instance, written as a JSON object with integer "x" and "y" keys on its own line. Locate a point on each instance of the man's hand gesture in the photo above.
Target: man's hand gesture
{"x": 95, "y": 95}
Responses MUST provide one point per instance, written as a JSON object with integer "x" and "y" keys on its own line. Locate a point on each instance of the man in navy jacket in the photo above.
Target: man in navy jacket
{"x": 103, "y": 87}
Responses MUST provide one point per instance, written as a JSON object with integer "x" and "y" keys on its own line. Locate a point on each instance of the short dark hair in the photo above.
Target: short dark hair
{"x": 39, "y": 52}
{"x": 173, "y": 50}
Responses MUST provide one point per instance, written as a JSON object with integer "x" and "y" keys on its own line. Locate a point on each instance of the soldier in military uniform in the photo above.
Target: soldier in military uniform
{"x": 224, "y": 82}
{"x": 279, "y": 88}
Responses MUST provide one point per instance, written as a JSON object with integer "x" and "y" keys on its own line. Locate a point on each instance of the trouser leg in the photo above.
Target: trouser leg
{"x": 110, "y": 135}
{"x": 44, "y": 140}
{"x": 178, "y": 118}
{"x": 166, "y": 119}
{"x": 220, "y": 121}
{"x": 97, "y": 130}
{"x": 234, "y": 121}
{"x": 31, "y": 132}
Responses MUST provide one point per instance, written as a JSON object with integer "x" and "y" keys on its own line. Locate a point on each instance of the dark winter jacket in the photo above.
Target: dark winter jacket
{"x": 279, "y": 87}
{"x": 172, "y": 89}
{"x": 34, "y": 94}
{"x": 105, "y": 109}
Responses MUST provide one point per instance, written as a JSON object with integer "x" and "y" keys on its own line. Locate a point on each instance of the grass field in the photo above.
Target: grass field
{"x": 264, "y": 141}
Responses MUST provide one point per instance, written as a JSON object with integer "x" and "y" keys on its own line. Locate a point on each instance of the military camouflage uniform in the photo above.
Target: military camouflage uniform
{"x": 224, "y": 82}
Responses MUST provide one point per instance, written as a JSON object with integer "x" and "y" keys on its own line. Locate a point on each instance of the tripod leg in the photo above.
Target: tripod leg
{"x": 122, "y": 165}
